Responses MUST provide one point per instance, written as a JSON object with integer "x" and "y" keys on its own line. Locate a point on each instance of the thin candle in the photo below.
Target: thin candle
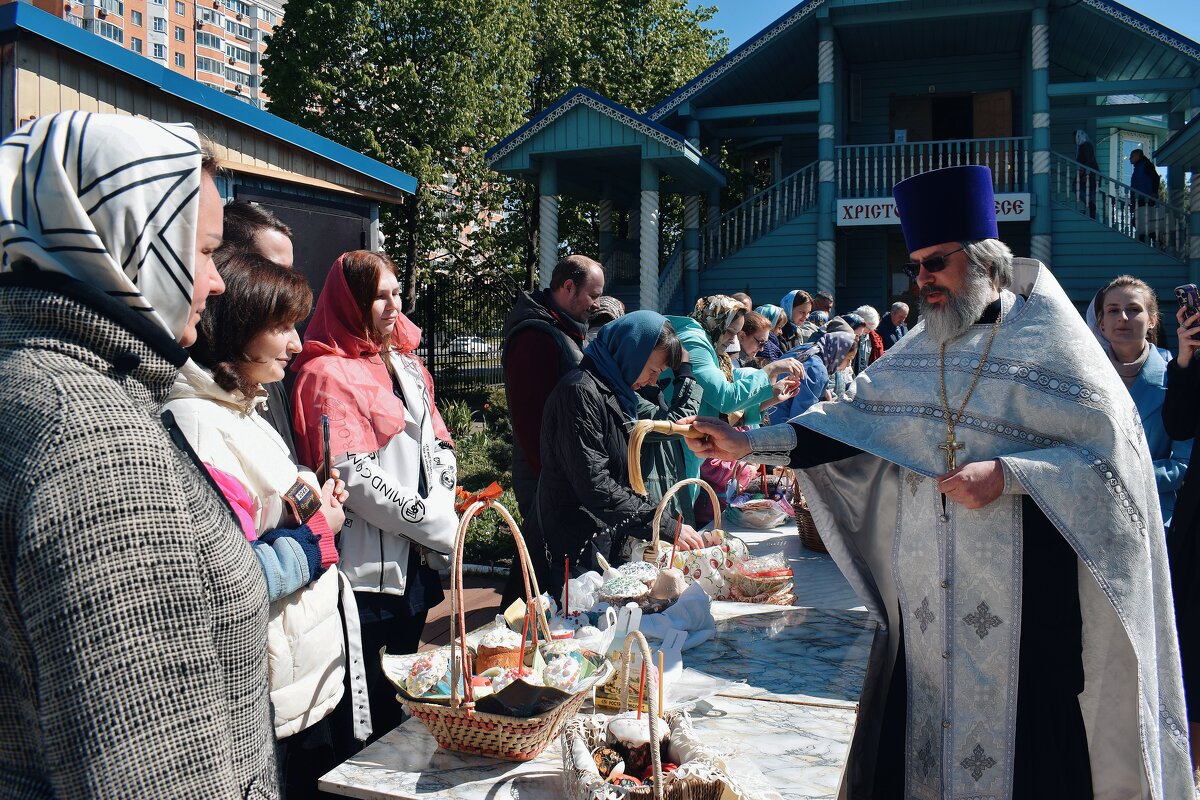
{"x": 524, "y": 631}
{"x": 641, "y": 689}
{"x": 675, "y": 544}
{"x": 661, "y": 709}
{"x": 567, "y": 587}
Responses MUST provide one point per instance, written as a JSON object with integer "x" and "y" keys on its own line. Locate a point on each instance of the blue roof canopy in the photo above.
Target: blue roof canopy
{"x": 19, "y": 17}
{"x": 597, "y": 143}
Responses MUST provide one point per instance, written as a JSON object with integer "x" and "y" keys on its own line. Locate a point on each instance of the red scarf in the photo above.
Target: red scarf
{"x": 341, "y": 374}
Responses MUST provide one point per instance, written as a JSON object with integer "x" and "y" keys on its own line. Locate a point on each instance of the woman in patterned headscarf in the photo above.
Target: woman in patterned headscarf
{"x": 135, "y": 655}
{"x": 708, "y": 335}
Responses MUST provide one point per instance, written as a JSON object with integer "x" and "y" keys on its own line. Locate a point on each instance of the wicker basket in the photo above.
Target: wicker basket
{"x": 658, "y": 549}
{"x": 804, "y": 523}
{"x": 582, "y": 783}
{"x": 459, "y": 726}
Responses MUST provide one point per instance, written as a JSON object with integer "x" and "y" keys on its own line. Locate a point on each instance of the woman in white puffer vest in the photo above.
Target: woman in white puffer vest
{"x": 246, "y": 338}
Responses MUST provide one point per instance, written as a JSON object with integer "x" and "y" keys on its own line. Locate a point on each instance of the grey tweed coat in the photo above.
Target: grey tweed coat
{"x": 133, "y": 615}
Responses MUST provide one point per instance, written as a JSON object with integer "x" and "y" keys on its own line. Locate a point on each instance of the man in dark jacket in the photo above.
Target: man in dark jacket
{"x": 1145, "y": 182}
{"x": 543, "y": 340}
{"x": 894, "y": 325}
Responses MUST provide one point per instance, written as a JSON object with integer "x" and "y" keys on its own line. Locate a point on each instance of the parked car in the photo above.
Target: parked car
{"x": 468, "y": 345}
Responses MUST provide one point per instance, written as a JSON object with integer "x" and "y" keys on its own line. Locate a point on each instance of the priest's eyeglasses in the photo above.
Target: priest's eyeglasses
{"x": 931, "y": 264}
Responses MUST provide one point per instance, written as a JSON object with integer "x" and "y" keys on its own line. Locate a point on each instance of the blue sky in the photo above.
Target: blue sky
{"x": 741, "y": 19}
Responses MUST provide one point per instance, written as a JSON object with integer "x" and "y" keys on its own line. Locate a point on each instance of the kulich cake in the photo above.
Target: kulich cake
{"x": 644, "y": 571}
{"x": 498, "y": 648}
{"x": 630, "y": 737}
{"x": 669, "y": 585}
{"x": 501, "y": 677}
{"x": 426, "y": 672}
{"x": 564, "y": 627}
{"x": 563, "y": 647}
{"x": 623, "y": 589}
{"x": 561, "y": 673}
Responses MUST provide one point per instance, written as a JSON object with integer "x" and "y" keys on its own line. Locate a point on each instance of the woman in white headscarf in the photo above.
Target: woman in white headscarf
{"x": 135, "y": 614}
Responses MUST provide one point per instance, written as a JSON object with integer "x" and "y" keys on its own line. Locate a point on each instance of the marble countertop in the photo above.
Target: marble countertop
{"x": 801, "y": 751}
{"x": 792, "y": 716}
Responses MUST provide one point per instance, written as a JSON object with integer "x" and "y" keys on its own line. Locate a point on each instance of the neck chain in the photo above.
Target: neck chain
{"x": 951, "y": 446}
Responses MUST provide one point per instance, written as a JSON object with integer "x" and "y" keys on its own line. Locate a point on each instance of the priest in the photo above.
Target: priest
{"x": 989, "y": 494}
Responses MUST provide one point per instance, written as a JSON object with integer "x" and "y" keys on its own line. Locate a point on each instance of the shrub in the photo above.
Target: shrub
{"x": 458, "y": 417}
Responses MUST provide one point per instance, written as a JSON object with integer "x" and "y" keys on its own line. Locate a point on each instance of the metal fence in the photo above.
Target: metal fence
{"x": 462, "y": 319}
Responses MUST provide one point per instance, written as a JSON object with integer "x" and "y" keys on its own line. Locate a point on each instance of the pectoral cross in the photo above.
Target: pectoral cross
{"x": 951, "y": 447}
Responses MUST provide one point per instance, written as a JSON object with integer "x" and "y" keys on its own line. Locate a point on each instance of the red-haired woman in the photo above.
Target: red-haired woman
{"x": 359, "y": 368}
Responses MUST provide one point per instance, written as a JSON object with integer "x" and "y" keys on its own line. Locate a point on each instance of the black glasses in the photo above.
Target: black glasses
{"x": 932, "y": 264}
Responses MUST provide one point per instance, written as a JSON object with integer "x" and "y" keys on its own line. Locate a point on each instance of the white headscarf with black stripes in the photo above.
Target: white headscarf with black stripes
{"x": 108, "y": 200}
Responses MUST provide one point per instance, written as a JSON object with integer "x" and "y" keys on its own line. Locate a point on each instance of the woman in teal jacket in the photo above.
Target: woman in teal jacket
{"x": 707, "y": 335}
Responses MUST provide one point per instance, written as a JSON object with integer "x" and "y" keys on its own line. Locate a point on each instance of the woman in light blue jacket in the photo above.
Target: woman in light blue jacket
{"x": 1126, "y": 310}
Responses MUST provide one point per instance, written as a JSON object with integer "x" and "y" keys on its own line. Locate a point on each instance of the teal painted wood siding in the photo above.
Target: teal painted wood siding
{"x": 985, "y": 73}
{"x": 772, "y": 266}
{"x": 1087, "y": 255}
{"x": 583, "y": 128}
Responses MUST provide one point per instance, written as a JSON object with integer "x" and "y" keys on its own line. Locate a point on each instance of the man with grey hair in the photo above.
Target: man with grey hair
{"x": 895, "y": 325}
{"x": 989, "y": 494}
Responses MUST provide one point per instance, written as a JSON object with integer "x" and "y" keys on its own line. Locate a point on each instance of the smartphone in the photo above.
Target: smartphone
{"x": 323, "y": 475}
{"x": 1189, "y": 299}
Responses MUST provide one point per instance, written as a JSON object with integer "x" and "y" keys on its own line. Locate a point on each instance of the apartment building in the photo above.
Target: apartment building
{"x": 217, "y": 42}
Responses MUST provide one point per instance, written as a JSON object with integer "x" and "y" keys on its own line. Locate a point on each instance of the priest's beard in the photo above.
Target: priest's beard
{"x": 961, "y": 310}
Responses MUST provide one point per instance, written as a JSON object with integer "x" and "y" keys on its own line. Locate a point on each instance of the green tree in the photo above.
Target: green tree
{"x": 423, "y": 85}
{"x": 635, "y": 52}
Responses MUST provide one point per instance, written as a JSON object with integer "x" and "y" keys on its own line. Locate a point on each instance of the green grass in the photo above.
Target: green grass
{"x": 484, "y": 447}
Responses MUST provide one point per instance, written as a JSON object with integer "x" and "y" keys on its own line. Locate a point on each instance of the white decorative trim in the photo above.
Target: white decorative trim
{"x": 1041, "y": 119}
{"x": 637, "y": 124}
{"x": 1041, "y": 47}
{"x": 691, "y": 211}
{"x": 826, "y": 265}
{"x": 1040, "y": 248}
{"x": 1153, "y": 31}
{"x": 547, "y": 238}
{"x": 605, "y": 216}
{"x": 825, "y": 131}
{"x": 1041, "y": 162}
{"x": 721, "y": 67}
{"x": 648, "y": 251}
{"x": 825, "y": 62}
{"x": 825, "y": 172}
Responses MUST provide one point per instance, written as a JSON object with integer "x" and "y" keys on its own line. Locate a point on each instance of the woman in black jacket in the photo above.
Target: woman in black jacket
{"x": 585, "y": 504}
{"x": 1181, "y": 418}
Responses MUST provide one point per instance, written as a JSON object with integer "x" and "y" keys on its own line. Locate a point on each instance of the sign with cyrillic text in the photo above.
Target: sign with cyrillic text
{"x": 882, "y": 210}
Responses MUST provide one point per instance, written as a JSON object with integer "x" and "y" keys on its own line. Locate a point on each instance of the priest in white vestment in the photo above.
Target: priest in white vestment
{"x": 990, "y": 495}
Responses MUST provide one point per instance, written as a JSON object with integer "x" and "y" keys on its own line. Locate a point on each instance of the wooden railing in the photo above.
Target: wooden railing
{"x": 670, "y": 281}
{"x": 759, "y": 215}
{"x": 871, "y": 170}
{"x": 1119, "y": 206}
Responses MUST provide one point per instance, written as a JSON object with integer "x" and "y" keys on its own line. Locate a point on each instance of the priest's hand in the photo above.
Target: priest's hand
{"x": 720, "y": 439}
{"x": 974, "y": 486}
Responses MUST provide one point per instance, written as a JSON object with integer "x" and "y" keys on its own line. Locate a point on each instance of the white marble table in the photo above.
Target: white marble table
{"x": 793, "y": 717}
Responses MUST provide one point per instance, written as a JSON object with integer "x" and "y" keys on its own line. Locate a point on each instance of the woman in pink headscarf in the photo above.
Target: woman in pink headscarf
{"x": 359, "y": 368}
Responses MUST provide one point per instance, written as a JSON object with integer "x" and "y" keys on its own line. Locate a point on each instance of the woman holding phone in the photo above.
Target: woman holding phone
{"x": 245, "y": 339}
{"x": 387, "y": 440}
{"x": 1181, "y": 418}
